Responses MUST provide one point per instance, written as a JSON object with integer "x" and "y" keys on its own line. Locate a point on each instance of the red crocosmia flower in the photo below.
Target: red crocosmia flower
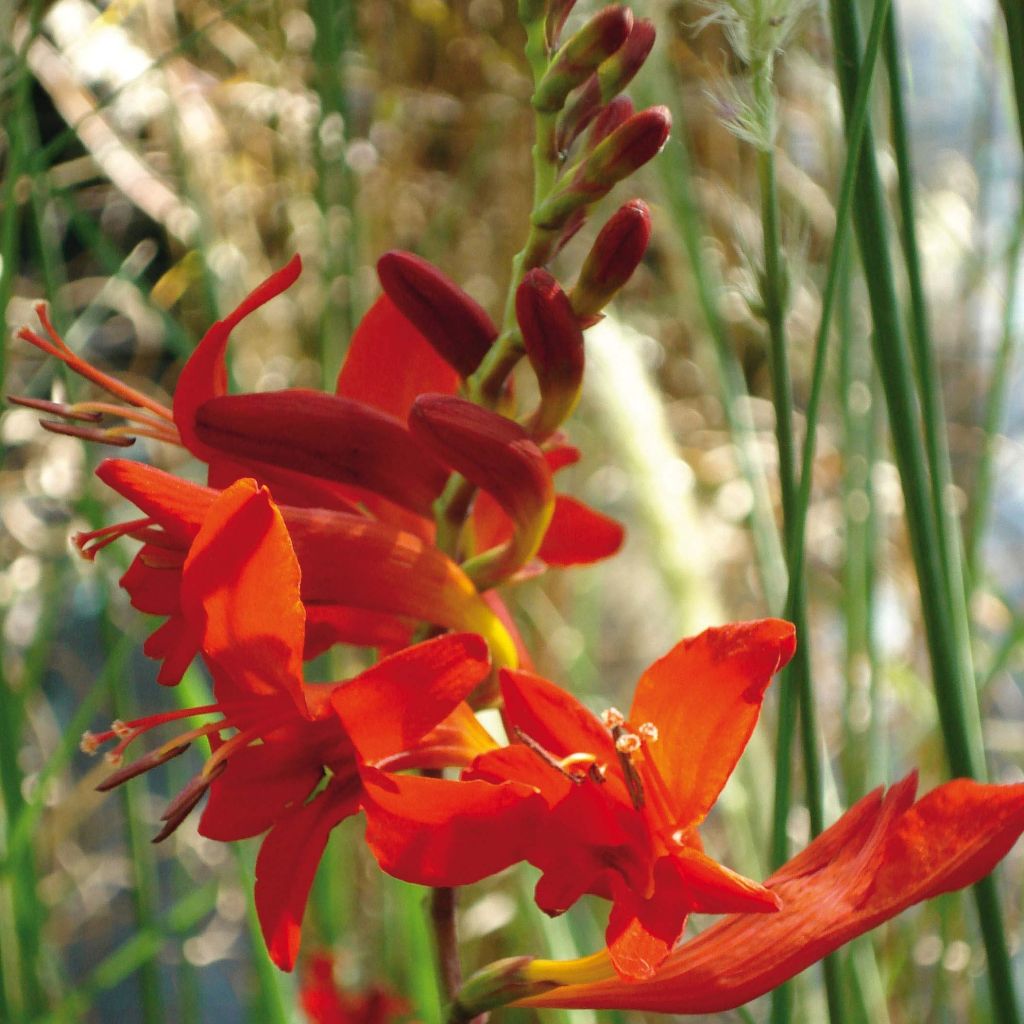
{"x": 289, "y": 765}
{"x": 607, "y": 806}
{"x": 363, "y": 581}
{"x": 577, "y": 535}
{"x": 885, "y": 854}
{"x": 324, "y": 1001}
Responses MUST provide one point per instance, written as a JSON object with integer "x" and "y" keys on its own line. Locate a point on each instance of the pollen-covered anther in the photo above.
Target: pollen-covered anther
{"x": 628, "y": 743}
{"x": 121, "y": 730}
{"x": 113, "y": 758}
{"x": 612, "y": 718}
{"x": 89, "y": 743}
{"x": 648, "y": 731}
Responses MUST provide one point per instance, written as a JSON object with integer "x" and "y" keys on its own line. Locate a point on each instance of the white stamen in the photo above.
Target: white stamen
{"x": 628, "y": 743}
{"x": 612, "y": 718}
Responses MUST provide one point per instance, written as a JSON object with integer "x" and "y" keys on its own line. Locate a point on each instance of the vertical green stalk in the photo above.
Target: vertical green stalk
{"x": 933, "y": 417}
{"x": 955, "y": 697}
{"x": 796, "y": 684}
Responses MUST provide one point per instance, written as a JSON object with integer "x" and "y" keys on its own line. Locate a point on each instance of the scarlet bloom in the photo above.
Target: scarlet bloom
{"x": 281, "y": 759}
{"x": 885, "y": 854}
{"x": 611, "y": 806}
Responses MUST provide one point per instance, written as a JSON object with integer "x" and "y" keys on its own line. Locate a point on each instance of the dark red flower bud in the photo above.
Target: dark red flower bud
{"x": 498, "y": 456}
{"x": 326, "y": 436}
{"x": 614, "y": 115}
{"x": 615, "y": 73}
{"x": 554, "y": 346}
{"x": 629, "y": 147}
{"x": 615, "y": 254}
{"x": 457, "y": 326}
{"x": 593, "y": 43}
{"x": 610, "y": 78}
{"x": 558, "y": 13}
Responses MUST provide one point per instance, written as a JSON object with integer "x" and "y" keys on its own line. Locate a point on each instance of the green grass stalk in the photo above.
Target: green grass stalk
{"x": 955, "y": 697}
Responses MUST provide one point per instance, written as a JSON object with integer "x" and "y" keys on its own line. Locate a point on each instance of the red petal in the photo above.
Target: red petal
{"x": 175, "y": 643}
{"x": 882, "y": 856}
{"x": 579, "y": 535}
{"x": 327, "y": 625}
{"x": 240, "y": 590}
{"x": 338, "y": 439}
{"x": 256, "y": 788}
{"x": 205, "y": 374}
{"x": 389, "y": 363}
{"x": 440, "y": 832}
{"x": 495, "y": 454}
{"x": 713, "y": 889}
{"x": 287, "y": 864}
{"x": 554, "y": 718}
{"x": 390, "y": 707}
{"x": 704, "y": 697}
{"x": 456, "y": 325}
{"x": 177, "y": 505}
{"x": 151, "y": 590}
{"x": 641, "y": 932}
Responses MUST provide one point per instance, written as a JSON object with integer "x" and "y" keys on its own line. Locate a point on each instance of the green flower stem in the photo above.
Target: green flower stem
{"x": 955, "y": 696}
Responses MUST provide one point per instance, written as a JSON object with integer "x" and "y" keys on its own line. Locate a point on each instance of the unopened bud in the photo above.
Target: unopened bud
{"x": 554, "y": 346}
{"x": 615, "y": 73}
{"x": 558, "y": 13}
{"x": 629, "y": 147}
{"x": 593, "y": 43}
{"x": 611, "y": 77}
{"x": 497, "y": 455}
{"x": 611, "y": 118}
{"x": 456, "y": 325}
{"x": 615, "y": 254}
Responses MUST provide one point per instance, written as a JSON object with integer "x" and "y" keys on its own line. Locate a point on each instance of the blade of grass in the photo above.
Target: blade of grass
{"x": 955, "y": 697}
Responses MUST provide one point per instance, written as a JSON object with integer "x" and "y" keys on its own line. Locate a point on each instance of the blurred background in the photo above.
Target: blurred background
{"x": 161, "y": 157}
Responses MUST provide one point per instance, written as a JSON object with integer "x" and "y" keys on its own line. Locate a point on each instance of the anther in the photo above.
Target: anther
{"x": 628, "y": 743}
{"x": 120, "y": 730}
{"x": 612, "y": 718}
{"x": 648, "y": 731}
{"x": 89, "y": 743}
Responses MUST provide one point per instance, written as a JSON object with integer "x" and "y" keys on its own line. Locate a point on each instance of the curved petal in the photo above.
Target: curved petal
{"x": 554, "y": 718}
{"x": 389, "y": 363}
{"x": 440, "y": 832}
{"x": 287, "y": 864}
{"x": 240, "y": 592}
{"x": 330, "y": 624}
{"x": 258, "y": 785}
{"x": 881, "y": 857}
{"x": 390, "y": 707}
{"x": 326, "y": 436}
{"x": 579, "y": 535}
{"x": 704, "y": 696}
{"x": 205, "y": 374}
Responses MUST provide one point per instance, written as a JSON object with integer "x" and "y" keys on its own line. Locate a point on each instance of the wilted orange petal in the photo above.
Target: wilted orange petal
{"x": 704, "y": 696}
